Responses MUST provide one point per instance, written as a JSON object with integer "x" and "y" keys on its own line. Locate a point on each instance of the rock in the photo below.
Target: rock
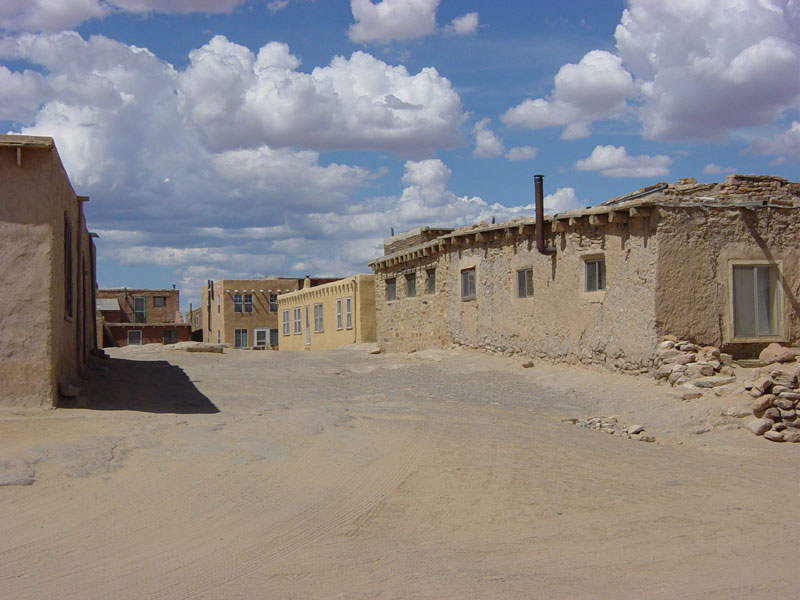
{"x": 670, "y": 338}
{"x": 762, "y": 402}
{"x": 726, "y": 359}
{"x": 748, "y": 385}
{"x": 776, "y": 353}
{"x": 737, "y": 412}
{"x": 686, "y": 394}
{"x": 699, "y": 370}
{"x": 774, "y": 436}
{"x": 699, "y": 430}
{"x": 759, "y": 426}
{"x": 727, "y": 370}
{"x": 375, "y": 350}
{"x": 783, "y": 377}
{"x": 664, "y": 371}
{"x": 787, "y": 415}
{"x": 685, "y": 359}
{"x": 668, "y": 355}
{"x": 68, "y": 390}
{"x": 666, "y": 345}
{"x": 777, "y": 389}
{"x": 793, "y": 396}
{"x": 634, "y": 429}
{"x": 763, "y": 384}
{"x": 772, "y": 413}
{"x": 783, "y": 403}
{"x": 676, "y": 374}
{"x": 714, "y": 381}
{"x": 527, "y": 364}
{"x": 646, "y": 438}
{"x": 687, "y": 347}
{"x": 792, "y": 435}
{"x": 755, "y": 392}
{"x": 779, "y": 427}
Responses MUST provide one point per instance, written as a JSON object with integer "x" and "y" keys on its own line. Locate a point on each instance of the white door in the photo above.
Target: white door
{"x": 262, "y": 337}
{"x": 308, "y": 329}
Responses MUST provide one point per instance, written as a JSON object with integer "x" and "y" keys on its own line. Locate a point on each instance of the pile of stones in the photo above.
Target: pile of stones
{"x": 680, "y": 362}
{"x": 611, "y": 426}
{"x": 776, "y": 404}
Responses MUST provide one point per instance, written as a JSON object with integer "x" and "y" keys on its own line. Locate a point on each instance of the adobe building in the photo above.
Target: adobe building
{"x": 47, "y": 261}
{"x": 140, "y": 316}
{"x": 717, "y": 264}
{"x": 243, "y": 313}
{"x": 328, "y": 316}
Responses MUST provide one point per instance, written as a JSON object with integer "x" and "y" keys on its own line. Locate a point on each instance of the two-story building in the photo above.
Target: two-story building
{"x": 140, "y": 316}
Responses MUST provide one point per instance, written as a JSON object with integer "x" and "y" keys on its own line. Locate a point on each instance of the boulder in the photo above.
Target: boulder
{"x": 772, "y": 413}
{"x": 759, "y": 426}
{"x": 791, "y": 434}
{"x": 714, "y": 381}
{"x": 762, "y": 384}
{"x": 375, "y": 350}
{"x": 686, "y": 394}
{"x": 776, "y": 353}
{"x": 762, "y": 402}
{"x": 774, "y": 436}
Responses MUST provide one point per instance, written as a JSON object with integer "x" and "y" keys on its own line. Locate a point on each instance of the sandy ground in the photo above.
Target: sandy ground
{"x": 345, "y": 475}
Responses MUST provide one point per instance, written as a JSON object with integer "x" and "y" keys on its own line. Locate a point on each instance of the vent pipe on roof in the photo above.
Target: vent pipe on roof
{"x": 540, "y": 246}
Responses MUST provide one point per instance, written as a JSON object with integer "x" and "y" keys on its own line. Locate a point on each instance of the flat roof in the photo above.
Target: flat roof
{"x": 107, "y": 304}
{"x": 27, "y": 141}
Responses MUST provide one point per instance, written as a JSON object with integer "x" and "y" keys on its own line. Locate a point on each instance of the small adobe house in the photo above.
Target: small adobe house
{"x": 140, "y": 316}
{"x": 328, "y": 316}
{"x": 47, "y": 274}
{"x": 714, "y": 263}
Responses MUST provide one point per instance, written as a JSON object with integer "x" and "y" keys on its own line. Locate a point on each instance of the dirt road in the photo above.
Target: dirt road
{"x": 345, "y": 475}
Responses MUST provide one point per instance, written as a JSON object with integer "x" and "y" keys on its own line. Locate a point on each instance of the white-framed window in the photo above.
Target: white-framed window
{"x": 286, "y": 330}
{"x": 248, "y": 303}
{"x": 134, "y": 337}
{"x": 468, "y": 284}
{"x": 391, "y": 289}
{"x": 243, "y": 303}
{"x": 273, "y": 303}
{"x": 318, "y": 318}
{"x": 297, "y": 315}
{"x": 240, "y": 338}
{"x": 338, "y": 313}
{"x": 595, "y": 271}
{"x": 756, "y": 301}
{"x": 525, "y": 283}
{"x": 159, "y": 301}
{"x": 348, "y": 312}
{"x": 411, "y": 285}
{"x": 430, "y": 281}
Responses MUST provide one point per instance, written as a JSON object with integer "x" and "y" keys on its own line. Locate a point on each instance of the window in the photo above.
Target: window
{"x": 430, "y": 281}
{"x": 240, "y": 338}
{"x": 218, "y": 337}
{"x": 134, "y": 337}
{"x": 318, "y": 318}
{"x": 242, "y": 303}
{"x": 391, "y": 289}
{"x": 298, "y": 325}
{"x": 525, "y": 283}
{"x": 218, "y": 303}
{"x": 159, "y": 301}
{"x": 261, "y": 336}
{"x": 197, "y": 320}
{"x": 348, "y": 304}
{"x": 273, "y": 303}
{"x": 67, "y": 267}
{"x": 286, "y": 322}
{"x": 595, "y": 275}
{"x": 755, "y": 301}
{"x": 171, "y": 337}
{"x": 139, "y": 313}
{"x": 248, "y": 303}
{"x": 411, "y": 284}
{"x": 338, "y": 313}
{"x": 468, "y": 284}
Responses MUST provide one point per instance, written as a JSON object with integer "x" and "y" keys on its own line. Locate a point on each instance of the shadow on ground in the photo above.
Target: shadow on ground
{"x": 154, "y": 386}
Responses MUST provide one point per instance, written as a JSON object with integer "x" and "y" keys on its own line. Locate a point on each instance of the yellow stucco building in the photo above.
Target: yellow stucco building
{"x": 328, "y": 316}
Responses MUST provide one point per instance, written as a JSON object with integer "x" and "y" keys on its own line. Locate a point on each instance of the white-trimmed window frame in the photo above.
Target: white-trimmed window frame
{"x": 287, "y": 329}
{"x": 241, "y": 334}
{"x": 778, "y": 336}
{"x": 525, "y": 282}
{"x": 348, "y": 312}
{"x": 297, "y": 319}
{"x": 469, "y": 292}
{"x": 318, "y": 321}
{"x": 338, "y": 314}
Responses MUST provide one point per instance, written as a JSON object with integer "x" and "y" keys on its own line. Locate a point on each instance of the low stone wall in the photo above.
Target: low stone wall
{"x": 680, "y": 362}
{"x": 776, "y": 404}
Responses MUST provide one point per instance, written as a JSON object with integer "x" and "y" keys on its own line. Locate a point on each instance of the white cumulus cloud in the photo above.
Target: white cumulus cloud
{"x": 391, "y": 20}
{"x": 487, "y": 144}
{"x": 464, "y": 25}
{"x": 612, "y": 161}
{"x": 519, "y": 153}
{"x": 787, "y": 143}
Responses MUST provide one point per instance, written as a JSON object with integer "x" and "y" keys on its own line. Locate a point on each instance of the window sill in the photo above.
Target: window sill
{"x": 593, "y": 297}
{"x": 764, "y": 339}
{"x": 469, "y": 299}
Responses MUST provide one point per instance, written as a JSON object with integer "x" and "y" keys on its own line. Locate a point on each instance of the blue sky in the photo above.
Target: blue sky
{"x": 235, "y": 138}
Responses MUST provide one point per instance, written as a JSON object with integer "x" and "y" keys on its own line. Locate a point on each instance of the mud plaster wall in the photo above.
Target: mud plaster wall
{"x": 36, "y": 196}
{"x": 412, "y": 323}
{"x": 561, "y": 321}
{"x": 696, "y": 249}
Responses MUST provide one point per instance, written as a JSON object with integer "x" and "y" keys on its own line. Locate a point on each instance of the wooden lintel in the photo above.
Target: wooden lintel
{"x": 638, "y": 212}
{"x": 558, "y": 226}
{"x": 595, "y": 220}
{"x": 617, "y": 217}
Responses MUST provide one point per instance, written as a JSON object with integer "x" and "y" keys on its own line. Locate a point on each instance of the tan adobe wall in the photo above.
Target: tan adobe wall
{"x": 359, "y": 288}
{"x": 698, "y": 247}
{"x": 41, "y": 341}
{"x": 226, "y": 320}
{"x": 412, "y": 323}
